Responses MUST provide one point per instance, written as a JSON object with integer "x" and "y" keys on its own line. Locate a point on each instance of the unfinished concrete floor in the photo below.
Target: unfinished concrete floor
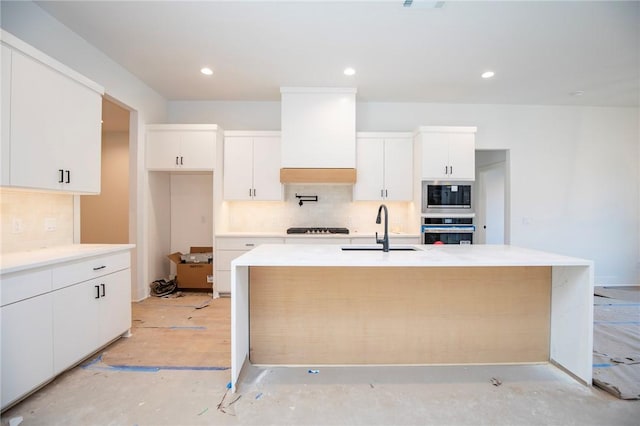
{"x": 96, "y": 393}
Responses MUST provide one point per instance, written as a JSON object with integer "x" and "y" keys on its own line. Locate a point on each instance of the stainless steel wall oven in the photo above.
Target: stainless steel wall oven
{"x": 447, "y": 230}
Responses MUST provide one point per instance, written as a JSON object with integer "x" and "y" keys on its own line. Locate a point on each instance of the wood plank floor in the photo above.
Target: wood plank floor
{"x": 189, "y": 331}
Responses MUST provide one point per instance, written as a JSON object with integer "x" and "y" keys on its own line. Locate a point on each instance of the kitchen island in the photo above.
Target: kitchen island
{"x": 478, "y": 304}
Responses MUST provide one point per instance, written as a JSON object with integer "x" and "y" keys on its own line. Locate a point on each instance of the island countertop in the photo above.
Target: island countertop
{"x": 423, "y": 256}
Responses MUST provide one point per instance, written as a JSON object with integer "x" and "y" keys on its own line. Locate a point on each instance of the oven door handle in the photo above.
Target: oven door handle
{"x": 448, "y": 230}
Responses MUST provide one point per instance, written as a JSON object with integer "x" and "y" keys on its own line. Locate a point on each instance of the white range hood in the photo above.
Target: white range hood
{"x": 318, "y": 135}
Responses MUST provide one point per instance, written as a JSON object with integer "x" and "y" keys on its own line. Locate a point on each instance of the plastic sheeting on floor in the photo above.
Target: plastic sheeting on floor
{"x": 616, "y": 341}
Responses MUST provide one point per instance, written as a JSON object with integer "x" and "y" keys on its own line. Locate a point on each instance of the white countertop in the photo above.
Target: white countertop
{"x": 19, "y": 261}
{"x": 426, "y": 256}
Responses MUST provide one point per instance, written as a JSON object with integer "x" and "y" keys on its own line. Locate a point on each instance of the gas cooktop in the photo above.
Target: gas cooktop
{"x": 317, "y": 231}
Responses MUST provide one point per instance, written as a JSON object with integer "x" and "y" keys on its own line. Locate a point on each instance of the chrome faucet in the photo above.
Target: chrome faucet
{"x": 385, "y": 240}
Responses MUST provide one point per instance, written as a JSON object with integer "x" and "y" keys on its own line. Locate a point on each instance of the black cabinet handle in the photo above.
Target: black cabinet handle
{"x": 68, "y": 176}
{"x": 61, "y": 176}
{"x": 451, "y": 170}
{"x": 386, "y": 193}
{"x": 97, "y": 292}
{"x": 177, "y": 161}
{"x": 254, "y": 192}
{"x": 382, "y": 193}
{"x": 99, "y": 267}
{"x": 181, "y": 161}
{"x": 103, "y": 292}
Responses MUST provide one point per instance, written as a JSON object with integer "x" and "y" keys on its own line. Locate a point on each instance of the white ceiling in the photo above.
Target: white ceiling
{"x": 541, "y": 52}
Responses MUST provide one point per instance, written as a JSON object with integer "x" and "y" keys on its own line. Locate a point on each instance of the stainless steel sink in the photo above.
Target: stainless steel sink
{"x": 378, "y": 248}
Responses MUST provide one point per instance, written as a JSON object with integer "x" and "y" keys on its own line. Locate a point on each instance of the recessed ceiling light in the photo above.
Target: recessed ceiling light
{"x": 577, "y": 93}
{"x": 349, "y": 71}
{"x": 206, "y": 71}
{"x": 488, "y": 74}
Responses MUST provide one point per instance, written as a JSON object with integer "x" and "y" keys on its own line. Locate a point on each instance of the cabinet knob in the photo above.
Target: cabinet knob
{"x": 249, "y": 244}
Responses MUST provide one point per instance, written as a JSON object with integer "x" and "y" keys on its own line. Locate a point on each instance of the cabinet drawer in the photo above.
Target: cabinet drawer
{"x": 23, "y": 285}
{"x": 86, "y": 269}
{"x": 245, "y": 243}
{"x": 223, "y": 262}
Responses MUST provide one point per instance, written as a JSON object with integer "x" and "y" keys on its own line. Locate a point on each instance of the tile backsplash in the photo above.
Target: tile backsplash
{"x": 334, "y": 208}
{"x": 33, "y": 220}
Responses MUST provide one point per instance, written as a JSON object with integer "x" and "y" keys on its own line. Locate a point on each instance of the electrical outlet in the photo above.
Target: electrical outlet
{"x": 16, "y": 226}
{"x": 50, "y": 224}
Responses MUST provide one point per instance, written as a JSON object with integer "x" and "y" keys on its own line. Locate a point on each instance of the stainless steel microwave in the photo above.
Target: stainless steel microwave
{"x": 447, "y": 197}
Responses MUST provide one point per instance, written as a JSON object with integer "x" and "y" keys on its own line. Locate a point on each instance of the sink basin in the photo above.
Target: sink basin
{"x": 378, "y": 248}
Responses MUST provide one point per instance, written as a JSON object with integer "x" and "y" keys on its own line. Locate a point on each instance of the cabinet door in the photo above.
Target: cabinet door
{"x": 82, "y": 153}
{"x": 75, "y": 323}
{"x": 370, "y": 170}
{"x": 115, "y": 305}
{"x": 398, "y": 169}
{"x": 462, "y": 161}
{"x": 435, "y": 156}
{"x": 55, "y": 125}
{"x": 36, "y": 131}
{"x": 266, "y": 169}
{"x": 163, "y": 148}
{"x": 5, "y": 125}
{"x": 238, "y": 159}
{"x": 27, "y": 342}
{"x": 197, "y": 150}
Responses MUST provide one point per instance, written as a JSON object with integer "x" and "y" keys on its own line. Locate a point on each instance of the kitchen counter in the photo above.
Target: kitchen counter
{"x": 285, "y": 235}
{"x": 466, "y": 304}
{"x": 19, "y": 261}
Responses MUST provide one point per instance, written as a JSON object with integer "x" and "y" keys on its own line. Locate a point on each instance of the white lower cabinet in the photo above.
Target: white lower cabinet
{"x": 227, "y": 249}
{"x": 105, "y": 308}
{"x": 53, "y": 317}
{"x": 27, "y": 339}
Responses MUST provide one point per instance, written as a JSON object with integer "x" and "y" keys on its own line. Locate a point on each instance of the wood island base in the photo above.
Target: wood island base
{"x": 370, "y": 315}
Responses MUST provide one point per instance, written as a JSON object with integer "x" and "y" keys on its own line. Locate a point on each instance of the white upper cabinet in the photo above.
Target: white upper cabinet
{"x": 51, "y": 123}
{"x": 252, "y": 166}
{"x": 318, "y": 127}
{"x": 384, "y": 167}
{"x": 448, "y": 153}
{"x": 188, "y": 147}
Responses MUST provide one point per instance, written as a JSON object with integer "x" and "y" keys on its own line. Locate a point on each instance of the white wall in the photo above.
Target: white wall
{"x": 28, "y": 22}
{"x": 574, "y": 180}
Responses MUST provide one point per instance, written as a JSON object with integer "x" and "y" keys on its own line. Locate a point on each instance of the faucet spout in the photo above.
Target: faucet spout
{"x": 385, "y": 239}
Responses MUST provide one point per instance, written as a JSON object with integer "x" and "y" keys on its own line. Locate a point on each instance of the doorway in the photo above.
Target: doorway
{"x": 104, "y": 218}
{"x": 491, "y": 197}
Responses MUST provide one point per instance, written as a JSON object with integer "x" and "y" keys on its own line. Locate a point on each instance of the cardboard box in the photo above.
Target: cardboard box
{"x": 193, "y": 275}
